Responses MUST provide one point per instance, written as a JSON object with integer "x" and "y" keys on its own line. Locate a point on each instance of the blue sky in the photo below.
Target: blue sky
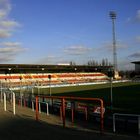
{"x": 60, "y": 31}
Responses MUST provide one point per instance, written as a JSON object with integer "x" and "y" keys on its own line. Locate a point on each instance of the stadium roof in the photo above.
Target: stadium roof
{"x": 136, "y": 62}
{"x": 39, "y": 68}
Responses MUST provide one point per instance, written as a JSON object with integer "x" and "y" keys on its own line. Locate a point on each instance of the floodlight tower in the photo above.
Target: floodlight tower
{"x": 113, "y": 17}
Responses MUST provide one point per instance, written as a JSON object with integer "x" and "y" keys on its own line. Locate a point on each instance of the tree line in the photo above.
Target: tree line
{"x": 103, "y": 62}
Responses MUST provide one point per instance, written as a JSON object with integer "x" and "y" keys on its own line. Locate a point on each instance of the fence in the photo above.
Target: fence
{"x": 12, "y": 100}
{"x": 63, "y": 107}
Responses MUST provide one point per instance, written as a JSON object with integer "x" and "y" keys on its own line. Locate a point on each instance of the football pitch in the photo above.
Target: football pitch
{"x": 125, "y": 96}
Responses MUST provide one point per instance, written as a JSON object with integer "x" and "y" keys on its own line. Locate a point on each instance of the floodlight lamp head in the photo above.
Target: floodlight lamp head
{"x": 112, "y": 15}
{"x": 9, "y": 69}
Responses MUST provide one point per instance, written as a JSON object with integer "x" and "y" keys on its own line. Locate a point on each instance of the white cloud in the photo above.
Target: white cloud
{"x": 48, "y": 60}
{"x": 135, "y": 18}
{"x": 5, "y": 33}
{"x": 135, "y": 55}
{"x": 6, "y": 58}
{"x": 5, "y": 8}
{"x": 109, "y": 46}
{"x": 77, "y": 50}
{"x": 138, "y": 39}
{"x": 10, "y": 50}
{"x": 2, "y": 13}
{"x": 53, "y": 60}
{"x": 6, "y": 24}
{"x": 9, "y": 24}
{"x": 11, "y": 44}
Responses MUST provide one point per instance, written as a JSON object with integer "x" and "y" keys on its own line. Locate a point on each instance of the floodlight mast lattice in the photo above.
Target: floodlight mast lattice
{"x": 113, "y": 17}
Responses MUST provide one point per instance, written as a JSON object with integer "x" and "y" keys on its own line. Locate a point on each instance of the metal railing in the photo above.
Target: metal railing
{"x": 63, "y": 107}
{"x": 129, "y": 115}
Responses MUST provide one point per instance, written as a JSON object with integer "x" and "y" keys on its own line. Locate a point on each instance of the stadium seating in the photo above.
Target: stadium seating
{"x": 56, "y": 78}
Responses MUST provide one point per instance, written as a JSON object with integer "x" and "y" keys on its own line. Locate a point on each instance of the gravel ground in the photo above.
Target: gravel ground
{"x": 23, "y": 126}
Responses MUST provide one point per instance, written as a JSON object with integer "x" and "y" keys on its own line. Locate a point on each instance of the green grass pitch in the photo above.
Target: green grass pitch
{"x": 126, "y": 96}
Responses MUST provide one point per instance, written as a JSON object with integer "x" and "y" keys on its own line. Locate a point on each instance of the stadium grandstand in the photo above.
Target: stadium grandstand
{"x": 137, "y": 65}
{"x": 136, "y": 74}
{"x": 42, "y": 75}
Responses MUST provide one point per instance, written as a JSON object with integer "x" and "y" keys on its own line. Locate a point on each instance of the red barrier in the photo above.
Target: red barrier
{"x": 37, "y": 112}
{"x": 63, "y": 98}
{"x": 24, "y": 102}
{"x": 63, "y": 111}
{"x": 72, "y": 114}
{"x": 82, "y": 107}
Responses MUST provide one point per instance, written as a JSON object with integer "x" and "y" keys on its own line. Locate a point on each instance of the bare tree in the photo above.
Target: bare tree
{"x": 72, "y": 63}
